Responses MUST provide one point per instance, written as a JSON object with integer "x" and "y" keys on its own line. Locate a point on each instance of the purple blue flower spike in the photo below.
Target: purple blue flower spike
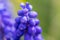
{"x": 6, "y": 21}
{"x": 27, "y": 23}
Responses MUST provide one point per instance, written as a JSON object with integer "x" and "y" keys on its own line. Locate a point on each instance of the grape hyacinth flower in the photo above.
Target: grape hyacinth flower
{"x": 6, "y": 22}
{"x": 27, "y": 23}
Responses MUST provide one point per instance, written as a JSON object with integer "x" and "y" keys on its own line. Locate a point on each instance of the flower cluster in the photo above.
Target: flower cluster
{"x": 6, "y": 23}
{"x": 27, "y": 23}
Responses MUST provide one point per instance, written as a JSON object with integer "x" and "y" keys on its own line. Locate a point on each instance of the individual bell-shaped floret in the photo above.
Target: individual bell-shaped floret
{"x": 17, "y": 19}
{"x": 37, "y": 21}
{"x": 23, "y": 12}
{"x": 38, "y": 30}
{"x": 2, "y": 6}
{"x": 6, "y": 21}
{"x": 38, "y": 37}
{"x": 32, "y": 22}
{"x": 23, "y": 19}
{"x": 31, "y": 30}
{"x": 32, "y": 14}
{"x": 19, "y": 34}
{"x": 28, "y": 37}
{"x": 22, "y": 26}
{"x": 6, "y": 14}
{"x": 22, "y": 5}
{"x": 28, "y": 6}
{"x": 9, "y": 29}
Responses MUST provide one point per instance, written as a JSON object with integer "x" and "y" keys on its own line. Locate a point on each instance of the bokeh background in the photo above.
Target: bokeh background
{"x": 48, "y": 13}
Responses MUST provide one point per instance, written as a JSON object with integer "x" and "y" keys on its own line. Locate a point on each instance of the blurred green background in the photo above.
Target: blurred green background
{"x": 49, "y": 15}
